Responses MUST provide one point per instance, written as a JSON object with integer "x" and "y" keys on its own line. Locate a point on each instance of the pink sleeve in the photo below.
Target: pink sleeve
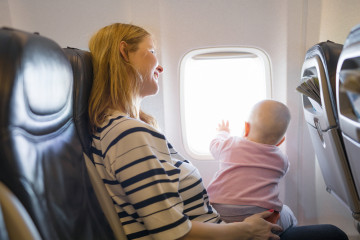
{"x": 217, "y": 144}
{"x": 287, "y": 164}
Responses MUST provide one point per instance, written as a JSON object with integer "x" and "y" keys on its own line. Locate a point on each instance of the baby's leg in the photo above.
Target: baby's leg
{"x": 287, "y": 218}
{"x": 236, "y": 213}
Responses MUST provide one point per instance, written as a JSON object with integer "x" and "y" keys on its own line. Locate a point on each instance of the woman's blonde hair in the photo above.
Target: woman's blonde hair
{"x": 116, "y": 83}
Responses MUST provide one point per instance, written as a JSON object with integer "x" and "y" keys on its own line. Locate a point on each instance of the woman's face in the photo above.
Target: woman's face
{"x": 145, "y": 61}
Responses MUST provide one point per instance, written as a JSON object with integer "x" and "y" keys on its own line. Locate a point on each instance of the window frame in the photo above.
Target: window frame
{"x": 213, "y": 51}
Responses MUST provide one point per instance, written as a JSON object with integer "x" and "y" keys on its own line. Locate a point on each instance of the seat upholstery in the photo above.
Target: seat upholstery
{"x": 41, "y": 153}
{"x": 83, "y": 78}
{"x": 323, "y": 124}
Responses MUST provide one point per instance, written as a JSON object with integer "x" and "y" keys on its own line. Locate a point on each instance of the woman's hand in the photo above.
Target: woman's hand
{"x": 262, "y": 229}
{"x": 254, "y": 227}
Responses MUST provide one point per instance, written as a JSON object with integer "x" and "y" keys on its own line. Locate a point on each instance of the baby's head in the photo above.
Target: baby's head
{"x": 268, "y": 122}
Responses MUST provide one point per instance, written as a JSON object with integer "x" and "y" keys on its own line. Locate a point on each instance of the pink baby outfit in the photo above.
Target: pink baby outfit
{"x": 249, "y": 172}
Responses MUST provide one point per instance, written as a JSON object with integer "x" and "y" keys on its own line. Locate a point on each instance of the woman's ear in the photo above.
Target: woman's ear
{"x": 247, "y": 129}
{"x": 281, "y": 141}
{"x": 123, "y": 51}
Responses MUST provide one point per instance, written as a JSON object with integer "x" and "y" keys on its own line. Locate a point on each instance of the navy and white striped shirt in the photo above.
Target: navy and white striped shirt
{"x": 156, "y": 192}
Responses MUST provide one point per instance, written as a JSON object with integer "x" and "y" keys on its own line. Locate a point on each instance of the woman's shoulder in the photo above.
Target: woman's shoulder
{"x": 123, "y": 122}
{"x": 120, "y": 122}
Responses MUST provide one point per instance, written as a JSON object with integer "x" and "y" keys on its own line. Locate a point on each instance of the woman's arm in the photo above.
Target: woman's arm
{"x": 254, "y": 228}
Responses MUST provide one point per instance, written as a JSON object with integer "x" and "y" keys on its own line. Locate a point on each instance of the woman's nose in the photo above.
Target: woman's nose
{"x": 160, "y": 69}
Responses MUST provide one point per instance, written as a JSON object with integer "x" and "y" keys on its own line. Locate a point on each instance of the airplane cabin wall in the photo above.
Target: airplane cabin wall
{"x": 5, "y": 19}
{"x": 284, "y": 29}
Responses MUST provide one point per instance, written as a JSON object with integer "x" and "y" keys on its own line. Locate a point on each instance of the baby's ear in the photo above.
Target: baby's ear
{"x": 247, "y": 129}
{"x": 281, "y": 141}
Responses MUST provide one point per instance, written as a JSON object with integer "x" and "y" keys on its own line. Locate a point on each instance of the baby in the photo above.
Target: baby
{"x": 252, "y": 166}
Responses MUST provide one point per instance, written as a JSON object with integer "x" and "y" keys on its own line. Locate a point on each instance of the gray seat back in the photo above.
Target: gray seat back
{"x": 323, "y": 124}
{"x": 348, "y": 104}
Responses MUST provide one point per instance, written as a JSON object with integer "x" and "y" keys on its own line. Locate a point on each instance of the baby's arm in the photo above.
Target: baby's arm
{"x": 218, "y": 142}
{"x": 223, "y": 126}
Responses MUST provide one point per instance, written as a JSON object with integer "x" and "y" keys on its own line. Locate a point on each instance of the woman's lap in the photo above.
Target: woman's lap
{"x": 314, "y": 232}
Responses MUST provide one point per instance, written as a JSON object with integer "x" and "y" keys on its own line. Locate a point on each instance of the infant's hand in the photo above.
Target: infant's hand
{"x": 223, "y": 126}
{"x": 274, "y": 217}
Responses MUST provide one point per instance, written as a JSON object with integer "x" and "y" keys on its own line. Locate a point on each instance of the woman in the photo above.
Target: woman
{"x": 156, "y": 192}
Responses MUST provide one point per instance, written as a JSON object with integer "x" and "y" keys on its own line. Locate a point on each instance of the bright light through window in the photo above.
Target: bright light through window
{"x": 219, "y": 84}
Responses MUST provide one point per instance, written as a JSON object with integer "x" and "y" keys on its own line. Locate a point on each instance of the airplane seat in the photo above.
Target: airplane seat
{"x": 318, "y": 74}
{"x": 3, "y": 231}
{"x": 15, "y": 222}
{"x": 348, "y": 103}
{"x": 83, "y": 78}
{"x": 41, "y": 154}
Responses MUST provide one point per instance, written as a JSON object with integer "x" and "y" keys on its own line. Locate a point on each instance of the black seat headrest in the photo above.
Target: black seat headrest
{"x": 83, "y": 75}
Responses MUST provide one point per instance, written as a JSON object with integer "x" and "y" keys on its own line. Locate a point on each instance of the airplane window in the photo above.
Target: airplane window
{"x": 219, "y": 84}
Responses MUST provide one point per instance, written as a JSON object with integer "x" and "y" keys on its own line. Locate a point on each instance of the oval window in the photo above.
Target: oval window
{"x": 219, "y": 84}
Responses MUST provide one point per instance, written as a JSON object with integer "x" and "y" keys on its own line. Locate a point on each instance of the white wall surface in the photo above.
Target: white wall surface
{"x": 337, "y": 19}
{"x": 284, "y": 29}
{"x": 5, "y": 19}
